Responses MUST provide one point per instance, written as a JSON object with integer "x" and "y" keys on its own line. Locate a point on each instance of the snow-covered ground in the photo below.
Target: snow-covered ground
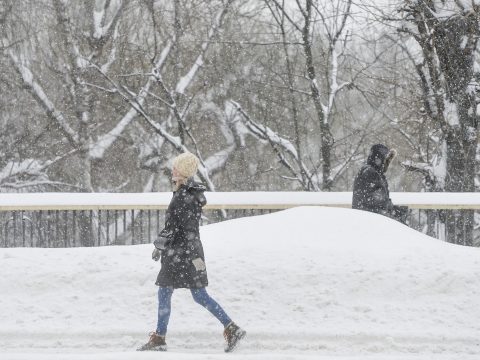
{"x": 306, "y": 283}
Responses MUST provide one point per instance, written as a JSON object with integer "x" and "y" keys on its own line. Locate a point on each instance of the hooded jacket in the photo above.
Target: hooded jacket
{"x": 370, "y": 188}
{"x": 183, "y": 260}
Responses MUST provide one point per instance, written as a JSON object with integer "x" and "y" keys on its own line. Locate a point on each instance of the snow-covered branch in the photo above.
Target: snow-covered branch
{"x": 29, "y": 174}
{"x": 106, "y": 14}
{"x": 159, "y": 129}
{"x": 104, "y": 142}
{"x": 432, "y": 182}
{"x": 42, "y": 99}
{"x": 281, "y": 146}
{"x": 234, "y": 132}
{"x": 186, "y": 80}
{"x": 323, "y": 101}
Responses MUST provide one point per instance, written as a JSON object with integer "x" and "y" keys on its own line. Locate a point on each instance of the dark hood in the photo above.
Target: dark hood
{"x": 378, "y": 155}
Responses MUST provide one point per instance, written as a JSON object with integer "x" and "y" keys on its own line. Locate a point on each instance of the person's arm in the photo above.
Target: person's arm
{"x": 164, "y": 237}
{"x": 193, "y": 203}
{"x": 373, "y": 193}
{"x": 400, "y": 213}
{"x": 190, "y": 221}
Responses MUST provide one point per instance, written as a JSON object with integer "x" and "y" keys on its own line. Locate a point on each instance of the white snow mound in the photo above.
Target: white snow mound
{"x": 302, "y": 282}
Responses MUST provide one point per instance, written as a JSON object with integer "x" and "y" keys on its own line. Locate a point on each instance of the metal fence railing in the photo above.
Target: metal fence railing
{"x": 73, "y": 228}
{"x": 79, "y": 219}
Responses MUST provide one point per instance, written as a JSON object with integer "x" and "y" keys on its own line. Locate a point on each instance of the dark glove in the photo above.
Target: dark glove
{"x": 390, "y": 207}
{"x": 156, "y": 254}
{"x": 163, "y": 239}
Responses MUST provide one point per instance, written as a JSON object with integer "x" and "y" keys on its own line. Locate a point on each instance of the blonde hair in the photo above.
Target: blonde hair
{"x": 186, "y": 165}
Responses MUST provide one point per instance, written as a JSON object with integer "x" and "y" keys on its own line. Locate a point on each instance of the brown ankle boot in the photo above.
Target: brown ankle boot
{"x": 233, "y": 334}
{"x": 155, "y": 343}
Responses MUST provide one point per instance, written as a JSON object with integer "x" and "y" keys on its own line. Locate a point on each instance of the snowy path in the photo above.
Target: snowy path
{"x": 304, "y": 284}
{"x": 256, "y": 342}
{"x": 199, "y": 356}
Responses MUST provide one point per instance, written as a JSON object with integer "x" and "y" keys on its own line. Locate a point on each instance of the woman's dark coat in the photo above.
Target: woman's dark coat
{"x": 183, "y": 261}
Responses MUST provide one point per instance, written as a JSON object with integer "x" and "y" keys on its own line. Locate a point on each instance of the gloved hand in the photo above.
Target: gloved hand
{"x": 390, "y": 206}
{"x": 156, "y": 254}
{"x": 163, "y": 239}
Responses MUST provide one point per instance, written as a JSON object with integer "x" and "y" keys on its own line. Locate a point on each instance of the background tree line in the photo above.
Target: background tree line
{"x": 99, "y": 95}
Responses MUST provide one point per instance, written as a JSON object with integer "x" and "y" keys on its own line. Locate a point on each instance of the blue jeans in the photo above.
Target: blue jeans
{"x": 199, "y": 295}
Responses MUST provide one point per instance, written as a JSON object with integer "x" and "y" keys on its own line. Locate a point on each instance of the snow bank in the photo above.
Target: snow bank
{"x": 308, "y": 282}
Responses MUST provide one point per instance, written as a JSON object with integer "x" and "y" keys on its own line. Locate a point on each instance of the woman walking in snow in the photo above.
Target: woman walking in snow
{"x": 182, "y": 258}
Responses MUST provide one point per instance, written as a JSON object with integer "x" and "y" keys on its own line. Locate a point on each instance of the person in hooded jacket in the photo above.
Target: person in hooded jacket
{"x": 182, "y": 258}
{"x": 370, "y": 188}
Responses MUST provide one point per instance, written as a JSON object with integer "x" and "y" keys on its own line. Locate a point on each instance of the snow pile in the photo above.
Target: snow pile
{"x": 311, "y": 281}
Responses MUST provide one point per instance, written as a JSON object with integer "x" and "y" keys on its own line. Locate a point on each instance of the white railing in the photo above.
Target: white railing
{"x": 224, "y": 200}
{"x": 94, "y": 219}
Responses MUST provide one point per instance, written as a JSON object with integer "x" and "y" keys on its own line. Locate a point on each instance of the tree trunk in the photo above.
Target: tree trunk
{"x": 326, "y": 138}
{"x": 449, "y": 54}
{"x": 86, "y": 225}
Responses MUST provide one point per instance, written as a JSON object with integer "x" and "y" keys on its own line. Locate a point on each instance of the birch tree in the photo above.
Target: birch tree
{"x": 314, "y": 27}
{"x": 72, "y": 46}
{"x": 446, "y": 34}
{"x": 172, "y": 93}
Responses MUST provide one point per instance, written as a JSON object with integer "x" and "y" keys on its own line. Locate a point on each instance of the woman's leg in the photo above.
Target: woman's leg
{"x": 201, "y": 297}
{"x": 164, "y": 308}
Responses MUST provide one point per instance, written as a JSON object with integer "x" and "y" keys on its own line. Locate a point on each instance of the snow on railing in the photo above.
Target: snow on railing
{"x": 96, "y": 219}
{"x": 225, "y": 200}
